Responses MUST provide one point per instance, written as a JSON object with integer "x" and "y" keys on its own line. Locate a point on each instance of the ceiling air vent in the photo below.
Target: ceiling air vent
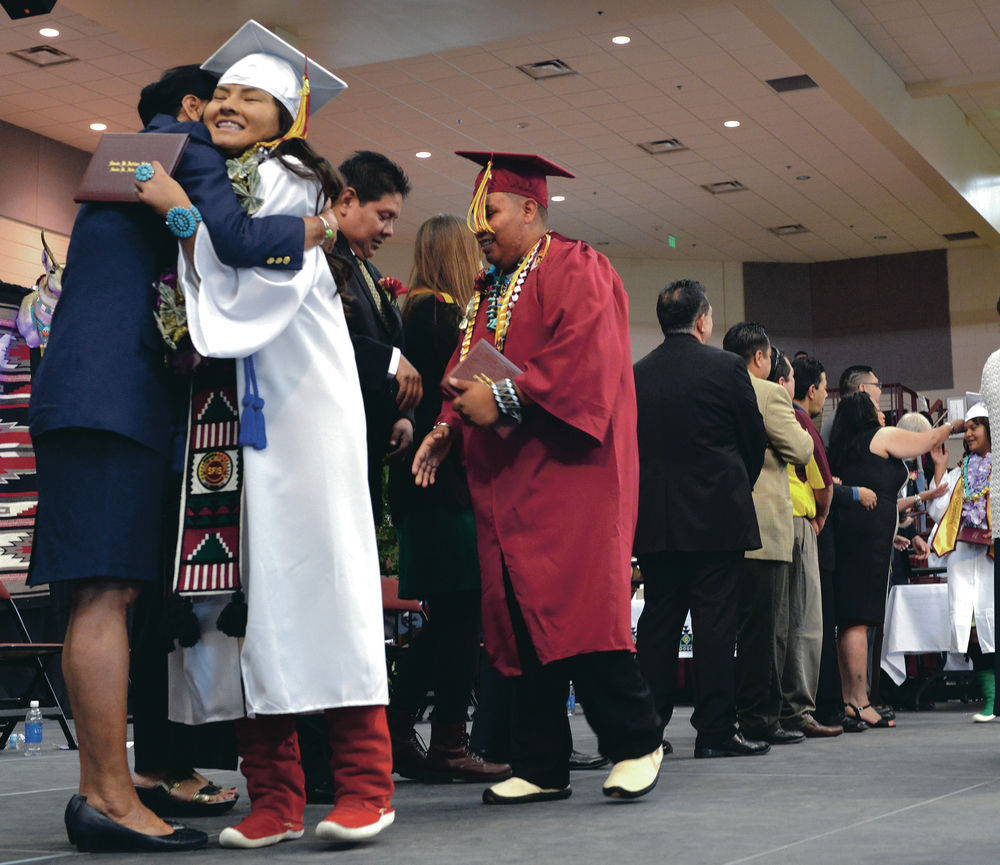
{"x": 546, "y": 69}
{"x": 723, "y": 186}
{"x": 792, "y": 82}
{"x": 44, "y": 55}
{"x": 785, "y": 230}
{"x": 664, "y": 145}
{"x": 960, "y": 235}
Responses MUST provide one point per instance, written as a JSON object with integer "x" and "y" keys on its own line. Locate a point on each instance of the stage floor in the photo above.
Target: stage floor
{"x": 925, "y": 792}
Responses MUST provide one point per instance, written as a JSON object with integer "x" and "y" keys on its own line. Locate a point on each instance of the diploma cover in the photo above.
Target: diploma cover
{"x": 485, "y": 364}
{"x": 110, "y": 176}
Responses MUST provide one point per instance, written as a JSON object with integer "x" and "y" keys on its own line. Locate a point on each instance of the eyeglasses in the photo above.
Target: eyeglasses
{"x": 872, "y": 384}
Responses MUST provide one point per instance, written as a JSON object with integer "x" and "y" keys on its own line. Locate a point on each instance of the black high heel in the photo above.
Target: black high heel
{"x": 883, "y": 722}
{"x": 93, "y": 831}
{"x": 852, "y": 723}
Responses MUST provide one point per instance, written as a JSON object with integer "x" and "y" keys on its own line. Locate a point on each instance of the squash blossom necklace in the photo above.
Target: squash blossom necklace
{"x": 502, "y": 293}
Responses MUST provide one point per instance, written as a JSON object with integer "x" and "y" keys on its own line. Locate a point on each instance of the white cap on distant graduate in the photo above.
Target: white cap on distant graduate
{"x": 255, "y": 57}
{"x": 978, "y": 410}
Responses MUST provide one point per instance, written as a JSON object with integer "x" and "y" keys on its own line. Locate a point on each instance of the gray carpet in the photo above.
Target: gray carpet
{"x": 926, "y": 792}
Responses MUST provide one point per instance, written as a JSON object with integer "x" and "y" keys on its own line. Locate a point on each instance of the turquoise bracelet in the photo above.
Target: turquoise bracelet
{"x": 183, "y": 221}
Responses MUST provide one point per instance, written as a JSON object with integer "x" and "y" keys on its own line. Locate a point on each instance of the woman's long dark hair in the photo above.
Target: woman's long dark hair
{"x": 855, "y": 414}
{"x": 312, "y": 166}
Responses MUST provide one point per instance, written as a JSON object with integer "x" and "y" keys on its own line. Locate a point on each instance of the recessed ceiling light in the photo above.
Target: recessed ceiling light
{"x": 881, "y": 237}
{"x": 98, "y": 127}
{"x": 558, "y": 198}
{"x": 423, "y": 154}
{"x": 803, "y": 177}
{"x": 621, "y": 40}
{"x": 48, "y": 32}
{"x": 732, "y": 124}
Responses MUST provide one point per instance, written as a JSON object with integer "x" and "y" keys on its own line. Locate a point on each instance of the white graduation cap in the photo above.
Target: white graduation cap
{"x": 978, "y": 410}
{"x": 254, "y": 57}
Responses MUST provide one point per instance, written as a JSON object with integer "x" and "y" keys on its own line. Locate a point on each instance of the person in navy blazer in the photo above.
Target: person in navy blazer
{"x": 100, "y": 420}
{"x": 701, "y": 448}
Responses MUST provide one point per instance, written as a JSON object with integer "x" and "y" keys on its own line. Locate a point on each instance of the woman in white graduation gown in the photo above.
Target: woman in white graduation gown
{"x": 314, "y": 639}
{"x": 961, "y": 540}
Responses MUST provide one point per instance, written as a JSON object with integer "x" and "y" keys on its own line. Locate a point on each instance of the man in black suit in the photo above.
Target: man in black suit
{"x": 366, "y": 212}
{"x": 701, "y": 447}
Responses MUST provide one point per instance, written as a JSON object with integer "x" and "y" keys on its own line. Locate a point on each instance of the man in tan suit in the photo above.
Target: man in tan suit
{"x": 763, "y": 617}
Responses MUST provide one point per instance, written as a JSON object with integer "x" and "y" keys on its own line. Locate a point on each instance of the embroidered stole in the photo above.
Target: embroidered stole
{"x": 946, "y": 532}
{"x": 207, "y": 557}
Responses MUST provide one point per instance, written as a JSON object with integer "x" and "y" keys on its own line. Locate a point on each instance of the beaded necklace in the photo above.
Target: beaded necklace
{"x": 503, "y": 292}
{"x": 968, "y": 494}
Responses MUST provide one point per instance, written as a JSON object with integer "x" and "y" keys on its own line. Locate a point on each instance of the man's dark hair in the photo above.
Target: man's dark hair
{"x": 800, "y": 353}
{"x": 373, "y": 175}
{"x": 165, "y": 96}
{"x": 851, "y": 378}
{"x": 780, "y": 365}
{"x": 808, "y": 372}
{"x": 746, "y": 338}
{"x": 681, "y": 304}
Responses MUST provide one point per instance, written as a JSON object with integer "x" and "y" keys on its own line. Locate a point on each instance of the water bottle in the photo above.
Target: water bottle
{"x": 571, "y": 702}
{"x": 33, "y": 730}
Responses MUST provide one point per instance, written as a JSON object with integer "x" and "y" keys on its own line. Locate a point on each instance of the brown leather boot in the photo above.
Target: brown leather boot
{"x": 449, "y": 758}
{"x": 409, "y": 757}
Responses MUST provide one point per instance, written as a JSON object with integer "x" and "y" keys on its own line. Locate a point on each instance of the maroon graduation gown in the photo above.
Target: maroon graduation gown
{"x": 557, "y": 499}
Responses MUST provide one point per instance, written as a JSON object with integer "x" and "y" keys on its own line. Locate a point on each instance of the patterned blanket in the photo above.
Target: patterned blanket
{"x": 18, "y": 487}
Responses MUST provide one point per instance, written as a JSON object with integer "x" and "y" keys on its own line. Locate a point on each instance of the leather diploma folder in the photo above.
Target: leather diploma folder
{"x": 485, "y": 364}
{"x": 110, "y": 176}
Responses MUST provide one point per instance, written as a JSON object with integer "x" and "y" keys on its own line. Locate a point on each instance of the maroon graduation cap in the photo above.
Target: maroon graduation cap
{"x": 519, "y": 173}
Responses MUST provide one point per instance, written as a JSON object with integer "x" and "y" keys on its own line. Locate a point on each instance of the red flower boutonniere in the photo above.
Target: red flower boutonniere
{"x": 393, "y": 286}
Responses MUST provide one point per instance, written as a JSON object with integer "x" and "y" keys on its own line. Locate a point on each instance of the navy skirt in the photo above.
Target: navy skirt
{"x": 100, "y": 508}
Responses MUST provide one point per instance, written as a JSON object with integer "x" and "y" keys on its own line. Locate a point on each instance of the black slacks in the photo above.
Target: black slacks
{"x": 615, "y": 699}
{"x": 761, "y": 644}
{"x": 443, "y": 657}
{"x": 707, "y": 584}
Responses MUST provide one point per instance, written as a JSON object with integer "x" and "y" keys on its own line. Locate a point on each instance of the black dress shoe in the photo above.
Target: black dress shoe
{"x": 95, "y": 832}
{"x": 578, "y": 760}
{"x": 737, "y": 746}
{"x": 777, "y": 736}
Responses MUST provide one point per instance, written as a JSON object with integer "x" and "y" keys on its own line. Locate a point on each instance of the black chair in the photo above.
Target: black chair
{"x": 36, "y": 657}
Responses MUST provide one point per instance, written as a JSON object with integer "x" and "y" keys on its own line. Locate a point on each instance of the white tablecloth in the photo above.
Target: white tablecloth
{"x": 916, "y": 621}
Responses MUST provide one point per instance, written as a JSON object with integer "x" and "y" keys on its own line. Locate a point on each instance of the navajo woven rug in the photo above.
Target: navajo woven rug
{"x": 18, "y": 487}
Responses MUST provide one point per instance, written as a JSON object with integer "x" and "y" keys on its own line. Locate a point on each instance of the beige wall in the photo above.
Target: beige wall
{"x": 21, "y": 262}
{"x": 40, "y": 177}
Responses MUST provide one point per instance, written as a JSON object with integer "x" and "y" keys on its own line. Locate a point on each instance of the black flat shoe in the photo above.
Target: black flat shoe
{"x": 737, "y": 746}
{"x": 578, "y": 760}
{"x": 161, "y": 801}
{"x": 94, "y": 832}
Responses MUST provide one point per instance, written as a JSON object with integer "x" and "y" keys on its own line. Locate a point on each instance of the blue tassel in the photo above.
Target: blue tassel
{"x": 252, "y": 431}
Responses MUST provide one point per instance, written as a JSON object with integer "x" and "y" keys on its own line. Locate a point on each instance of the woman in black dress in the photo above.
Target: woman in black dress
{"x": 865, "y": 453}
{"x": 438, "y": 560}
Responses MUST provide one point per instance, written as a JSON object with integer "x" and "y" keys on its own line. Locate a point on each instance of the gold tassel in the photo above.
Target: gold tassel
{"x": 476, "y": 217}
{"x": 300, "y": 126}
